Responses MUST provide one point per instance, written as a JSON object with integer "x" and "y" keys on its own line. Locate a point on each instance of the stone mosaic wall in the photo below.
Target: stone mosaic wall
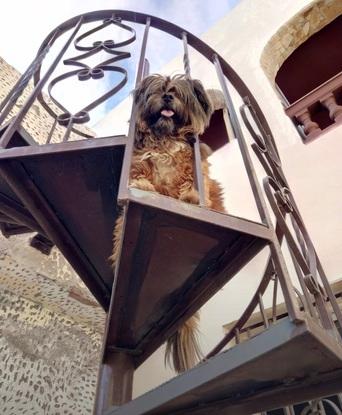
{"x": 50, "y": 325}
{"x": 296, "y": 31}
{"x": 50, "y": 334}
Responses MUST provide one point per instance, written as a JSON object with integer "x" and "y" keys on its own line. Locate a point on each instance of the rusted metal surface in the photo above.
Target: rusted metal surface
{"x": 124, "y": 181}
{"x": 254, "y": 376}
{"x": 146, "y": 308}
{"x": 198, "y": 175}
{"x": 39, "y": 179}
{"x": 115, "y": 381}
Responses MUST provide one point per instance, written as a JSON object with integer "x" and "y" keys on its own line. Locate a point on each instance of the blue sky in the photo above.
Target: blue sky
{"x": 22, "y": 33}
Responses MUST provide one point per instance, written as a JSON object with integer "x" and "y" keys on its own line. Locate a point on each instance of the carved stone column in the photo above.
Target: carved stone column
{"x": 335, "y": 110}
{"x": 310, "y": 127}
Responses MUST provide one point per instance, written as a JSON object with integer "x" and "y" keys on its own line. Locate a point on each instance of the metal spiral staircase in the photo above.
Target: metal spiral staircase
{"x": 66, "y": 192}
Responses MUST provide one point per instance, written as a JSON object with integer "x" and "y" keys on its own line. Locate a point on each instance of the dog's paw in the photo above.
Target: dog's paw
{"x": 142, "y": 184}
{"x": 191, "y": 196}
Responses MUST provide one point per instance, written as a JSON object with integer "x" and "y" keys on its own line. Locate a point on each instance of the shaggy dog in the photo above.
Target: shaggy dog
{"x": 170, "y": 112}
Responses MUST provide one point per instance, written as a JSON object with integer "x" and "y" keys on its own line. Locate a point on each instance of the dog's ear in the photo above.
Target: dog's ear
{"x": 140, "y": 91}
{"x": 202, "y": 97}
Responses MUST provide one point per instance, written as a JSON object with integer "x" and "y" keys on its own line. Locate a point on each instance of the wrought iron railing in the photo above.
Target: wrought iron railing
{"x": 314, "y": 299}
{"x": 331, "y": 405}
{"x": 315, "y": 288}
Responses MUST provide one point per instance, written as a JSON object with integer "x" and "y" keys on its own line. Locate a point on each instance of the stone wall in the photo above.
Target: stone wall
{"x": 296, "y": 31}
{"x": 50, "y": 325}
{"x": 50, "y": 334}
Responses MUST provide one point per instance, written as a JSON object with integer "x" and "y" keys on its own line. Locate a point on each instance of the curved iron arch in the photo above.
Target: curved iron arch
{"x": 170, "y": 28}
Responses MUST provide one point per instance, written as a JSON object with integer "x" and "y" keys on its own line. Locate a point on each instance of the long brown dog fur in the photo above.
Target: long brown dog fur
{"x": 169, "y": 113}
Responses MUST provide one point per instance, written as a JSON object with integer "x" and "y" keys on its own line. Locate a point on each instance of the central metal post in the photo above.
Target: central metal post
{"x": 115, "y": 382}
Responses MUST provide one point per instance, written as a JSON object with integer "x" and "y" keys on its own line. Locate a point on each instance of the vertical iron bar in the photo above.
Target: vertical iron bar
{"x": 142, "y": 60}
{"x": 123, "y": 193}
{"x": 307, "y": 296}
{"x": 302, "y": 300}
{"x": 21, "y": 114}
{"x": 115, "y": 381}
{"x": 329, "y": 291}
{"x": 68, "y": 131}
{"x": 289, "y": 410}
{"x": 321, "y": 407}
{"x": 274, "y": 303}
{"x": 186, "y": 60}
{"x": 113, "y": 367}
{"x": 146, "y": 70}
{"x": 256, "y": 189}
{"x": 277, "y": 256}
{"x": 237, "y": 336}
{"x": 198, "y": 174}
{"x": 52, "y": 130}
{"x": 339, "y": 397}
{"x": 306, "y": 247}
{"x": 262, "y": 311}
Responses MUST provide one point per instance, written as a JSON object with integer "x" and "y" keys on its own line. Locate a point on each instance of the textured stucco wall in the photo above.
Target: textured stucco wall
{"x": 48, "y": 362}
{"x": 50, "y": 325}
{"x": 50, "y": 334}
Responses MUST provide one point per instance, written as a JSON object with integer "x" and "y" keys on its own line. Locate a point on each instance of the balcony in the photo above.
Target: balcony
{"x": 320, "y": 110}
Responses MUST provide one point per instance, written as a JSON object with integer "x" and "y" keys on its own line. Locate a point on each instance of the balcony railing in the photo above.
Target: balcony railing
{"x": 318, "y": 110}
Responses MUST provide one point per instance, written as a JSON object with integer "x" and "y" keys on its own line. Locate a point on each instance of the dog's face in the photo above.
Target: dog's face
{"x": 166, "y": 106}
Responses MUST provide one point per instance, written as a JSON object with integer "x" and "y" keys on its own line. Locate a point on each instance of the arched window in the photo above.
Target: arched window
{"x": 311, "y": 81}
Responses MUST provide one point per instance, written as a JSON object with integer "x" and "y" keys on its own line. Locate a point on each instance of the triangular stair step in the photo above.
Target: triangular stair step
{"x": 175, "y": 257}
{"x": 287, "y": 363}
{"x": 71, "y": 188}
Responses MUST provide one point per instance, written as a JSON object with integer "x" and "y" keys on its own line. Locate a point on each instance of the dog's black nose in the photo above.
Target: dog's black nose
{"x": 167, "y": 97}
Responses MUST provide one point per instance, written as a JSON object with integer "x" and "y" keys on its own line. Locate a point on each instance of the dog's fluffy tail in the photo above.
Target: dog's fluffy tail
{"x": 182, "y": 348}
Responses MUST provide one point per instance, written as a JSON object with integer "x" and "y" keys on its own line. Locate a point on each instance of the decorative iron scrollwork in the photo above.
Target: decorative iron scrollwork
{"x": 86, "y": 72}
{"x": 281, "y": 200}
{"x": 316, "y": 407}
